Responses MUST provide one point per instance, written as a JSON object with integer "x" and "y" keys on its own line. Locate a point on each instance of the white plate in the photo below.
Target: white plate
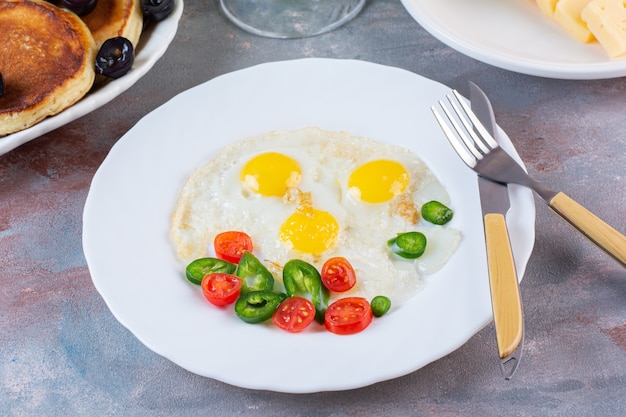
{"x": 152, "y": 45}
{"x": 514, "y": 35}
{"x": 133, "y": 265}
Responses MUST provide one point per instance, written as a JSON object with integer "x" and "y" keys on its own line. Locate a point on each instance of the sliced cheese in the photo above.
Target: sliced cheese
{"x": 547, "y": 7}
{"x": 606, "y": 19}
{"x": 567, "y": 14}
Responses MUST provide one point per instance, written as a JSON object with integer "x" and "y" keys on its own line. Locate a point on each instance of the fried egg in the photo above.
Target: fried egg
{"x": 313, "y": 194}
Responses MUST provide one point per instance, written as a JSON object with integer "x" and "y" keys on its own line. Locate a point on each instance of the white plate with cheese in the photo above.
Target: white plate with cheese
{"x": 514, "y": 35}
{"x": 153, "y": 43}
{"x": 133, "y": 263}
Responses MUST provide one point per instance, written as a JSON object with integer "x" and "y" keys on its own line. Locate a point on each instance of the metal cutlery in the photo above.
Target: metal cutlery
{"x": 503, "y": 283}
{"x": 479, "y": 150}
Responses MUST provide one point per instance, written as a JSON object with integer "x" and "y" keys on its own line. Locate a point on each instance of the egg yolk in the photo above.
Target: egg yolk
{"x": 379, "y": 180}
{"x": 270, "y": 174}
{"x": 310, "y": 231}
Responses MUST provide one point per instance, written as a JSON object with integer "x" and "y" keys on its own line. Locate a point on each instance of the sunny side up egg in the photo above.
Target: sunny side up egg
{"x": 313, "y": 194}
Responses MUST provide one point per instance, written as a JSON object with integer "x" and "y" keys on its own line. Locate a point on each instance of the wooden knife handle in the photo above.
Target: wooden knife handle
{"x": 590, "y": 226}
{"x": 505, "y": 295}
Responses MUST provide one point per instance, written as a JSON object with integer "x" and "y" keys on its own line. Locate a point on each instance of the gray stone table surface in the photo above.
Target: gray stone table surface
{"x": 62, "y": 353}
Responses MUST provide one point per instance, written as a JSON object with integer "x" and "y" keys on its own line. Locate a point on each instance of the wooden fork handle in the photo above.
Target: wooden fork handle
{"x": 505, "y": 295}
{"x": 590, "y": 226}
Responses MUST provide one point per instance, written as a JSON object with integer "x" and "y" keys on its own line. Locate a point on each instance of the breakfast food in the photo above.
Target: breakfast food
{"x": 311, "y": 195}
{"x": 51, "y": 55}
{"x": 567, "y": 14}
{"x": 606, "y": 19}
{"x": 591, "y": 20}
{"x": 46, "y": 59}
{"x": 113, "y": 18}
{"x": 115, "y": 57}
{"x": 547, "y": 6}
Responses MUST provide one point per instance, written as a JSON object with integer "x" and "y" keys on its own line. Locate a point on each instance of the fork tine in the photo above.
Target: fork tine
{"x": 471, "y": 141}
{"x": 475, "y": 140}
{"x": 463, "y": 153}
{"x": 484, "y": 135}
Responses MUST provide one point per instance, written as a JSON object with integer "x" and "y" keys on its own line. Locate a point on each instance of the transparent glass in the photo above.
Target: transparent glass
{"x": 290, "y": 18}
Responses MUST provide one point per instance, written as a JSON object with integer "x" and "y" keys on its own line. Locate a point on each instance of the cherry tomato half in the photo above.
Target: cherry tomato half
{"x": 338, "y": 275}
{"x": 294, "y": 314}
{"x": 348, "y": 315}
{"x": 221, "y": 289}
{"x": 231, "y": 245}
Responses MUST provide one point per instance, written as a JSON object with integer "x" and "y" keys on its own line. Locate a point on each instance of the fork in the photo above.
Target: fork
{"x": 480, "y": 151}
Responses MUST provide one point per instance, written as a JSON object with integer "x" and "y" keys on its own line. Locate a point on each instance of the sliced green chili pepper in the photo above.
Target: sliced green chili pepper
{"x": 258, "y": 306}
{"x": 408, "y": 245}
{"x": 436, "y": 212}
{"x": 380, "y": 305}
{"x": 303, "y": 279}
{"x": 255, "y": 275}
{"x": 197, "y": 269}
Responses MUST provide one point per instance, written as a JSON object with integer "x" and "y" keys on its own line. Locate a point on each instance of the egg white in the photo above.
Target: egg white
{"x": 213, "y": 200}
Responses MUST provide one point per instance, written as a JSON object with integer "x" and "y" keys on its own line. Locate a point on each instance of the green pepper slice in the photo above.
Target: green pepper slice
{"x": 197, "y": 269}
{"x": 303, "y": 279}
{"x": 255, "y": 276}
{"x": 258, "y": 306}
{"x": 409, "y": 245}
{"x": 380, "y": 305}
{"x": 436, "y": 212}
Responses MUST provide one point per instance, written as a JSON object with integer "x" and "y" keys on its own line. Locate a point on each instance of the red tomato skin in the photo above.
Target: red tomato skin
{"x": 338, "y": 274}
{"x": 348, "y": 315}
{"x": 221, "y": 289}
{"x": 294, "y": 314}
{"x": 230, "y": 245}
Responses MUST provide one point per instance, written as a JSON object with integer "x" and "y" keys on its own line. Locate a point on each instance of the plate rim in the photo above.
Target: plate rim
{"x": 611, "y": 68}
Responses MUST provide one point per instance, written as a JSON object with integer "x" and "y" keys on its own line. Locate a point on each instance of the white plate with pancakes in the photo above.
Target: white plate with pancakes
{"x": 514, "y": 35}
{"x": 126, "y": 231}
{"x": 153, "y": 43}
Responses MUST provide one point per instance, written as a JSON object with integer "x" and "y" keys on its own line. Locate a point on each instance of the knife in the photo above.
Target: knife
{"x": 505, "y": 294}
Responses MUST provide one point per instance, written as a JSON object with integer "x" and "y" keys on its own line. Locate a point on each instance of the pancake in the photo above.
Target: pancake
{"x": 112, "y": 18}
{"x": 46, "y": 59}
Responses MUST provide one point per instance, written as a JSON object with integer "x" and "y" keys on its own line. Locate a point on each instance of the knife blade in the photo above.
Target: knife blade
{"x": 504, "y": 286}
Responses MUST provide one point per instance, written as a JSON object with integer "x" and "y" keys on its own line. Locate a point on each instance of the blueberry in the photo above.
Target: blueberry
{"x": 80, "y": 7}
{"x": 115, "y": 57}
{"x": 157, "y": 9}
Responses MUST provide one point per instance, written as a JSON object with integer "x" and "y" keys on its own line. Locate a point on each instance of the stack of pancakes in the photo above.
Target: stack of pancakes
{"x": 47, "y": 55}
